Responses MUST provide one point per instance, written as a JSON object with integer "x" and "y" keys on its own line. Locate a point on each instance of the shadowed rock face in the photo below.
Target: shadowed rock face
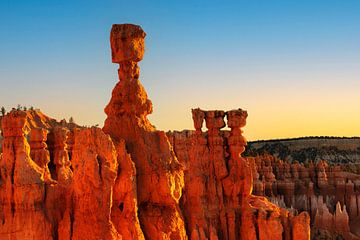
{"x": 329, "y": 194}
{"x": 129, "y": 181}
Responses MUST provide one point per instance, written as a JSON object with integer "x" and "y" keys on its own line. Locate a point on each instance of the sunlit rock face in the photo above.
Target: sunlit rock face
{"x": 130, "y": 181}
{"x": 217, "y": 200}
{"x": 22, "y": 194}
{"x": 159, "y": 174}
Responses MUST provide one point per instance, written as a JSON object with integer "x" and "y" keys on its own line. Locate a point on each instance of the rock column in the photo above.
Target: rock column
{"x": 159, "y": 174}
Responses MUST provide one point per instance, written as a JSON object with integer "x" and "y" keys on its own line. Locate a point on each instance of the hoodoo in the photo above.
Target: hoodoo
{"x": 217, "y": 199}
{"x": 159, "y": 174}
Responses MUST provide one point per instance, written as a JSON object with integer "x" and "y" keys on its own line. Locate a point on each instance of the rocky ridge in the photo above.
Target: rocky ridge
{"x": 334, "y": 150}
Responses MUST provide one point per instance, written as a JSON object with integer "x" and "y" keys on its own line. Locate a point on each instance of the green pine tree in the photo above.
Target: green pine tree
{"x": 3, "y": 111}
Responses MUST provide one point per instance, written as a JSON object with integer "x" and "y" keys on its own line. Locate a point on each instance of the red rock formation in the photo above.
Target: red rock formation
{"x": 159, "y": 174}
{"x": 22, "y": 194}
{"x": 95, "y": 169}
{"x": 300, "y": 226}
{"x": 124, "y": 212}
{"x": 322, "y": 190}
{"x": 217, "y": 198}
{"x": 39, "y": 153}
{"x": 125, "y": 182}
{"x": 61, "y": 156}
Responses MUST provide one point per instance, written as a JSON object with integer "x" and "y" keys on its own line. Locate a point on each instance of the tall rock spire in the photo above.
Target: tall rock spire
{"x": 159, "y": 175}
{"x": 129, "y": 98}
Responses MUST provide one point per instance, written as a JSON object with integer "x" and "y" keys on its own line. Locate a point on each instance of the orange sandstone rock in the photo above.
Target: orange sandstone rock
{"x": 124, "y": 211}
{"x": 301, "y": 226}
{"x": 61, "y": 159}
{"x": 39, "y": 153}
{"x": 323, "y": 191}
{"x": 129, "y": 181}
{"x": 127, "y": 43}
{"x": 95, "y": 169}
{"x": 159, "y": 174}
{"x": 22, "y": 194}
{"x": 217, "y": 198}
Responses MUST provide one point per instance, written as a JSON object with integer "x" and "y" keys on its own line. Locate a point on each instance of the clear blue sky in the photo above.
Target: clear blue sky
{"x": 294, "y": 65}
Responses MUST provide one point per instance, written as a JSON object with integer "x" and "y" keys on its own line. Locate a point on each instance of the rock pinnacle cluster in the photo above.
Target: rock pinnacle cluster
{"x": 60, "y": 181}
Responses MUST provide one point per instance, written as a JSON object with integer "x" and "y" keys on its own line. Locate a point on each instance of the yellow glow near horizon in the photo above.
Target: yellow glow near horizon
{"x": 278, "y": 114}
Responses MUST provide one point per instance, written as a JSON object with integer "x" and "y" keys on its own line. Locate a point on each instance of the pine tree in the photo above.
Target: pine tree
{"x": 3, "y": 111}
{"x": 71, "y": 120}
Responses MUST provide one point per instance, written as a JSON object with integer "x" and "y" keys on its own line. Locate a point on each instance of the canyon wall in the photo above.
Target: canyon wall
{"x": 128, "y": 180}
